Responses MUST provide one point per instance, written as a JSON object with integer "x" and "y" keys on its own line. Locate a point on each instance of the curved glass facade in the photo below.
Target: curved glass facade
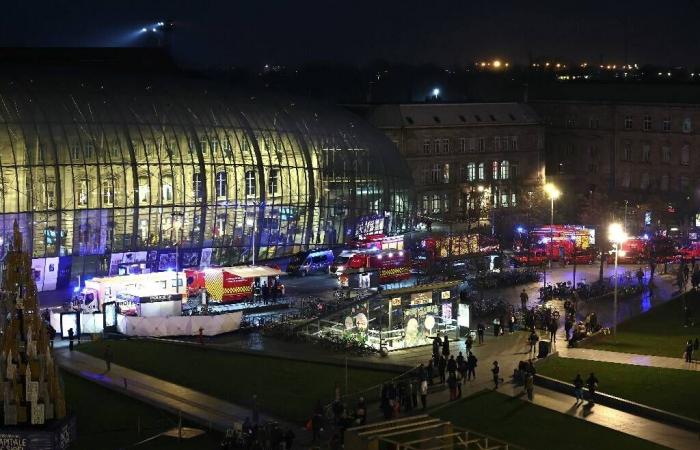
{"x": 111, "y": 173}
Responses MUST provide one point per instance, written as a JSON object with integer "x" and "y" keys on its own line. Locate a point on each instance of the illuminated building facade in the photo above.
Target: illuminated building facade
{"x": 108, "y": 171}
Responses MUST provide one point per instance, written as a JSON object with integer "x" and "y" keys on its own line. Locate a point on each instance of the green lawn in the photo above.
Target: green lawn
{"x": 285, "y": 388}
{"x": 108, "y": 420}
{"x": 659, "y": 331}
{"x": 534, "y": 427}
{"x": 676, "y": 391}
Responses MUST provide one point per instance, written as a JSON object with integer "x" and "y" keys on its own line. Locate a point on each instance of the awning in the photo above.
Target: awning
{"x": 253, "y": 271}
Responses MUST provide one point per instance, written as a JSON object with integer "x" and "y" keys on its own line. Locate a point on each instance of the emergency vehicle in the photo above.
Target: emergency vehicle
{"x": 228, "y": 284}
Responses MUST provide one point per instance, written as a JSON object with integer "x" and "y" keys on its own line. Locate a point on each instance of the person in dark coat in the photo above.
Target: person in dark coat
{"x": 71, "y": 336}
{"x": 442, "y": 365}
{"x": 471, "y": 366}
{"x": 480, "y": 328}
{"x": 592, "y": 384}
{"x": 689, "y": 351}
{"x": 446, "y": 347}
{"x": 452, "y": 367}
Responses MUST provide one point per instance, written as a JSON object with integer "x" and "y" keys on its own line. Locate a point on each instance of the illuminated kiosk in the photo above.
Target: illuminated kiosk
{"x": 165, "y": 303}
{"x": 34, "y": 409}
{"x": 399, "y": 318}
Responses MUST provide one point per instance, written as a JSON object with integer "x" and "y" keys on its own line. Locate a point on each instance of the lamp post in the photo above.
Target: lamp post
{"x": 177, "y": 226}
{"x": 616, "y": 235}
{"x": 553, "y": 193}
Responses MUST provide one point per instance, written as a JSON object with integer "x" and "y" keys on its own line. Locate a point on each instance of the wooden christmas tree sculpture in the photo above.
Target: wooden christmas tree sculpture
{"x": 31, "y": 392}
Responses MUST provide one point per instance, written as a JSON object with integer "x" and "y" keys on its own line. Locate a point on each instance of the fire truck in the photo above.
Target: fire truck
{"x": 643, "y": 249}
{"x": 690, "y": 252}
{"x": 392, "y": 265}
{"x": 452, "y": 249}
{"x": 228, "y": 284}
{"x": 570, "y": 243}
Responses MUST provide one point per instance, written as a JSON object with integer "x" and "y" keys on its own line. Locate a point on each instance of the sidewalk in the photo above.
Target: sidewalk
{"x": 204, "y": 409}
{"x": 662, "y": 362}
{"x": 662, "y": 434}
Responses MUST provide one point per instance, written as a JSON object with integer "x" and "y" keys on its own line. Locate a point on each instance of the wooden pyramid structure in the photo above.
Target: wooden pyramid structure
{"x": 30, "y": 389}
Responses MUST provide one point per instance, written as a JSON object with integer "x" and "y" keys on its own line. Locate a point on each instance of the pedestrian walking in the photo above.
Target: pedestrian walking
{"x": 568, "y": 325}
{"x": 424, "y": 394}
{"x": 442, "y": 366}
{"x": 532, "y": 340}
{"x": 480, "y": 332}
{"x": 553, "y": 327}
{"x": 430, "y": 372}
{"x": 496, "y": 371}
{"x": 578, "y": 388}
{"x": 640, "y": 277}
{"x": 469, "y": 342}
{"x": 471, "y": 366}
{"x": 689, "y": 351}
{"x": 523, "y": 300}
{"x": 446, "y": 347}
{"x": 71, "y": 336}
{"x": 496, "y": 326}
{"x": 452, "y": 367}
{"x": 452, "y": 385}
{"x": 592, "y": 383}
{"x": 529, "y": 385}
{"x": 108, "y": 357}
{"x": 695, "y": 277}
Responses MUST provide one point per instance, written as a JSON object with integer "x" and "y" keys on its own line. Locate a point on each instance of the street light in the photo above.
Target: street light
{"x": 616, "y": 235}
{"x": 177, "y": 218}
{"x": 553, "y": 193}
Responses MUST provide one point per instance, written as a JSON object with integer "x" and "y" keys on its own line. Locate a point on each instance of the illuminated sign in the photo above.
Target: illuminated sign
{"x": 396, "y": 301}
{"x": 463, "y": 315}
{"x": 422, "y": 298}
{"x": 445, "y": 295}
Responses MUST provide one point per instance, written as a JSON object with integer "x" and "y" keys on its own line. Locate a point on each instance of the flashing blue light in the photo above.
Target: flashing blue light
{"x": 169, "y": 269}
{"x": 436, "y": 92}
{"x": 143, "y": 30}
{"x": 160, "y": 24}
{"x": 76, "y": 289}
{"x": 520, "y": 230}
{"x": 153, "y": 30}
{"x": 646, "y": 236}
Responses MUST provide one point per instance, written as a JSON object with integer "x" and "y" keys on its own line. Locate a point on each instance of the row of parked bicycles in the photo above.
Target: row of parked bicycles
{"x": 626, "y": 286}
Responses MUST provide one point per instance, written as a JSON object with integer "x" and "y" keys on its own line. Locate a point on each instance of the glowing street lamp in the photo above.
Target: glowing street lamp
{"x": 616, "y": 235}
{"x": 553, "y": 193}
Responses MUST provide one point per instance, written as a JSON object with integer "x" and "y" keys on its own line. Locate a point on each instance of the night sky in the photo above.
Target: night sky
{"x": 233, "y": 32}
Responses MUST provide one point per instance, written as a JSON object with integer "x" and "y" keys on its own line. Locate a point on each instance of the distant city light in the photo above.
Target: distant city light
{"x": 496, "y": 63}
{"x": 143, "y": 30}
{"x": 153, "y": 30}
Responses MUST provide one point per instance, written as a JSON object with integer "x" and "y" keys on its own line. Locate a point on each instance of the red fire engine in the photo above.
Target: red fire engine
{"x": 392, "y": 265}
{"x": 572, "y": 243}
{"x": 228, "y": 284}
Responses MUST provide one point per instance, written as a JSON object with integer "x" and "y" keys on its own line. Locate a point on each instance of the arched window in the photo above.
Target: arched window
{"x": 494, "y": 166}
{"x": 273, "y": 182}
{"x": 505, "y": 170}
{"x": 220, "y": 184}
{"x": 167, "y": 189}
{"x": 250, "y": 183}
{"x": 480, "y": 171}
